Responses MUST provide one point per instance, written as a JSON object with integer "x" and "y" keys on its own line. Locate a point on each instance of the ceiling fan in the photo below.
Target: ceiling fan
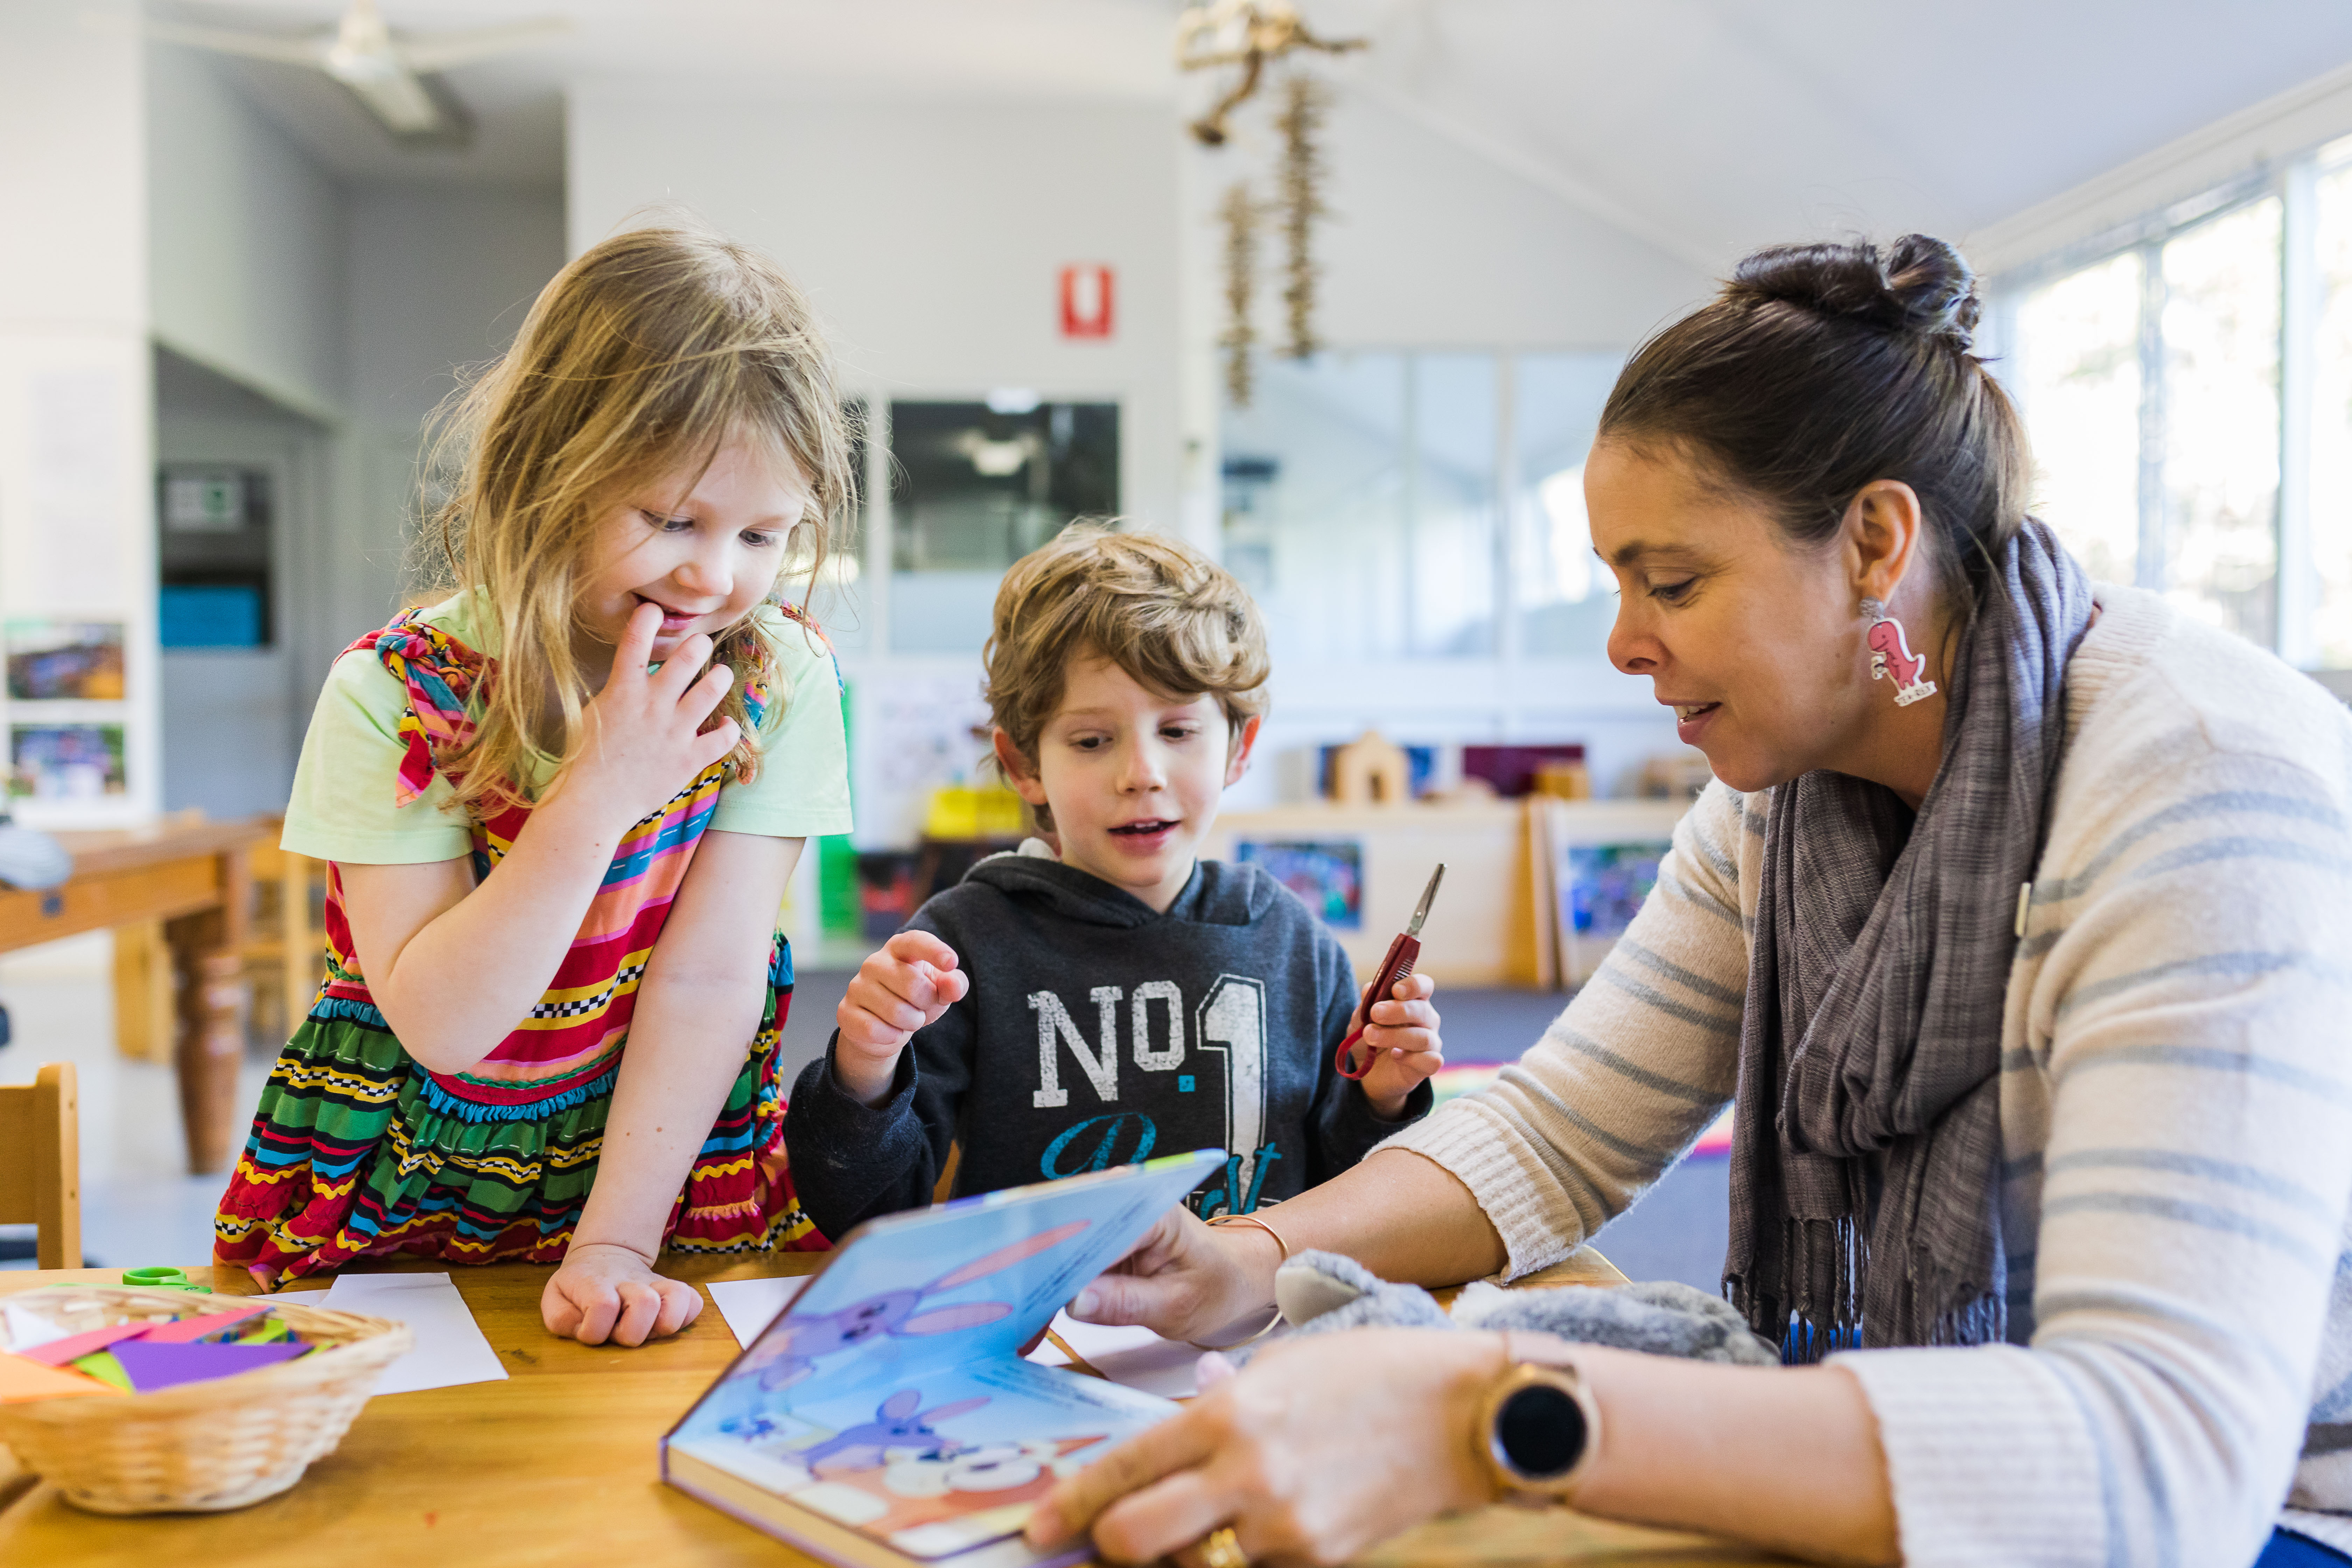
{"x": 387, "y": 73}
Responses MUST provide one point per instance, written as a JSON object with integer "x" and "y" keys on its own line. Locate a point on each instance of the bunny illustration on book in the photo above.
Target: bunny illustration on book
{"x": 897, "y": 1424}
{"x": 789, "y": 1353}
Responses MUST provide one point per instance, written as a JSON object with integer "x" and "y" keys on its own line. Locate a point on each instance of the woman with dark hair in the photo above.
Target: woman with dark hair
{"x": 2017, "y": 928}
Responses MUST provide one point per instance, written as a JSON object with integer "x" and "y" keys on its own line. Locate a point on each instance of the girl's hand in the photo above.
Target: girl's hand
{"x": 1320, "y": 1447}
{"x": 602, "y": 1291}
{"x": 1186, "y": 1279}
{"x": 645, "y": 737}
{"x": 1402, "y": 1037}
{"x": 906, "y": 985}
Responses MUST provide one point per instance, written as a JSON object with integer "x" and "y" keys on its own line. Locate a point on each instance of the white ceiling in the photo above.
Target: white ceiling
{"x": 1708, "y": 125}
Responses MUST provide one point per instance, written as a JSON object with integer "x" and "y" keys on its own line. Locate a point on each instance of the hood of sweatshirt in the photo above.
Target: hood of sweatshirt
{"x": 1220, "y": 893}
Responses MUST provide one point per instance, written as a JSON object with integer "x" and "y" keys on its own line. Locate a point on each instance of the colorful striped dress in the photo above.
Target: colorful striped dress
{"x": 357, "y": 1150}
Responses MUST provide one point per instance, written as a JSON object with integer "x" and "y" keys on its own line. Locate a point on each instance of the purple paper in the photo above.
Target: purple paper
{"x": 152, "y": 1366}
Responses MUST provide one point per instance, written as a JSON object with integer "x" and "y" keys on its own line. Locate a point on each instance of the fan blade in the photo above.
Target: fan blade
{"x": 254, "y": 46}
{"x": 441, "y": 50}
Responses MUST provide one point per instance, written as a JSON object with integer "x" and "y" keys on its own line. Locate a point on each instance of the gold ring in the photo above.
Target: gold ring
{"x": 1223, "y": 1549}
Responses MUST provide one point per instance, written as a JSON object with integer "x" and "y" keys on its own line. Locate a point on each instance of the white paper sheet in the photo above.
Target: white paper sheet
{"x": 750, "y": 1305}
{"x": 26, "y": 1329}
{"x": 1136, "y": 1357}
{"x": 450, "y": 1349}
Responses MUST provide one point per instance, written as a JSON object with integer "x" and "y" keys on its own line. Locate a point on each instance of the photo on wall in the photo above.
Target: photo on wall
{"x": 1329, "y": 876}
{"x": 1600, "y": 888}
{"x": 70, "y": 661}
{"x": 64, "y": 762}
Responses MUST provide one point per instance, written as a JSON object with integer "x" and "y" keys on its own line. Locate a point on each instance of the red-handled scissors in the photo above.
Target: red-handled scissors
{"x": 1403, "y": 953}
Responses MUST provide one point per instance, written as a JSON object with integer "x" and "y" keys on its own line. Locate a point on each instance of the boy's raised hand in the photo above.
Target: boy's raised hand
{"x": 645, "y": 735}
{"x": 1401, "y": 1034}
{"x": 900, "y": 989}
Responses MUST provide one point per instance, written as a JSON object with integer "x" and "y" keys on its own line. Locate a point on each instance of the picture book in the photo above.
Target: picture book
{"x": 886, "y": 1417}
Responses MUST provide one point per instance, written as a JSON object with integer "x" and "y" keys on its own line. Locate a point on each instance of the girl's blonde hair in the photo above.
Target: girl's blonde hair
{"x": 644, "y": 355}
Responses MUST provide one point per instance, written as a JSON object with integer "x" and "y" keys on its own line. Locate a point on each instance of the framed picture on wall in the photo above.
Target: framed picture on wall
{"x": 1328, "y": 874}
{"x": 64, "y": 762}
{"x": 1600, "y": 888}
{"x": 70, "y": 661}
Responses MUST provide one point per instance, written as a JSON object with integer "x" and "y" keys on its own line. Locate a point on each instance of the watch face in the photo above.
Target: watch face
{"x": 1540, "y": 1432}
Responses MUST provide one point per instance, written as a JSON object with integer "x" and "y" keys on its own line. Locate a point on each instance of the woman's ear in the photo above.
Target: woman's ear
{"x": 1237, "y": 757}
{"x": 1883, "y": 538}
{"x": 1017, "y": 769}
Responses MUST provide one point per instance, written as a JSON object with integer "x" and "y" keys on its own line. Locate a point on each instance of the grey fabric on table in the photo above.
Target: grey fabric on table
{"x": 1322, "y": 1292}
{"x": 1865, "y": 1160}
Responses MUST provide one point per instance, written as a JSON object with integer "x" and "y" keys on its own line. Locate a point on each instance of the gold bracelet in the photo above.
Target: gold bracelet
{"x": 1253, "y": 1219}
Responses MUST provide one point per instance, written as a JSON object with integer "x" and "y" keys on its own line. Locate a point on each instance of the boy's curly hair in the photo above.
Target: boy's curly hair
{"x": 1162, "y": 611}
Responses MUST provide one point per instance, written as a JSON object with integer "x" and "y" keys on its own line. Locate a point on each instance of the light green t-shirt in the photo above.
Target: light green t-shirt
{"x": 342, "y": 806}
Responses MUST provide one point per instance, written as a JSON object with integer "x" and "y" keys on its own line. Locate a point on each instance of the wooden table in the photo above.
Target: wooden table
{"x": 560, "y": 1465}
{"x": 192, "y": 876}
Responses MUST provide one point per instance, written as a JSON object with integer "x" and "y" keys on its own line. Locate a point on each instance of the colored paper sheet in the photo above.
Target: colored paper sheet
{"x": 27, "y": 1329}
{"x": 188, "y": 1330}
{"x": 73, "y": 1347}
{"x": 107, "y": 1369}
{"x": 22, "y": 1381}
{"x": 153, "y": 1366}
{"x": 450, "y": 1349}
{"x": 750, "y": 1305}
{"x": 269, "y": 1333}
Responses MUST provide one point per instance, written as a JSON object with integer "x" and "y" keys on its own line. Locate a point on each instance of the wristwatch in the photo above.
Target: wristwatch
{"x": 1537, "y": 1431}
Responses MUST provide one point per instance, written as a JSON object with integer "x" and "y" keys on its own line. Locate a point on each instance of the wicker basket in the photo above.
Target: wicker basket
{"x": 201, "y": 1446}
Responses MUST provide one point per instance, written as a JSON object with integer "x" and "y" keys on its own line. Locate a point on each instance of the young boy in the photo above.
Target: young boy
{"x": 1103, "y": 996}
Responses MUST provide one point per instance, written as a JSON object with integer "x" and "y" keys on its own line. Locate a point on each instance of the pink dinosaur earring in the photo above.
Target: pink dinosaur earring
{"x": 1891, "y": 657}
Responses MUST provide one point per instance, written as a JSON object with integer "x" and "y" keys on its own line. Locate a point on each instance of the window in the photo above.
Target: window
{"x": 2189, "y": 390}
{"x": 1360, "y": 506}
{"x": 975, "y": 486}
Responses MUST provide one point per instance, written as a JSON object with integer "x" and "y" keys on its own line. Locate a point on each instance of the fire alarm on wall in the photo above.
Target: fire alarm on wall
{"x": 1086, "y": 301}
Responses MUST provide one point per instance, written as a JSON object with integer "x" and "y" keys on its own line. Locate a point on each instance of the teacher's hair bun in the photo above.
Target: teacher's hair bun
{"x": 1918, "y": 287}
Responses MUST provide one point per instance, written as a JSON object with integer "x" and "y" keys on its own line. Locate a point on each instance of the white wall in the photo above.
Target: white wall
{"x": 1431, "y": 246}
{"x": 248, "y": 273}
{"x": 438, "y": 277}
{"x": 929, "y": 235}
{"x": 75, "y": 437}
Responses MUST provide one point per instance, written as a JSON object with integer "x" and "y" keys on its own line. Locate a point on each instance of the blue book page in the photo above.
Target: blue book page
{"x": 890, "y": 1396}
{"x": 971, "y": 1280}
{"x": 930, "y": 1465}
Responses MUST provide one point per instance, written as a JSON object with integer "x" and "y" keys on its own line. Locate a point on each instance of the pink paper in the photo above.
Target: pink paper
{"x": 153, "y": 1366}
{"x": 73, "y": 1347}
{"x": 190, "y": 1329}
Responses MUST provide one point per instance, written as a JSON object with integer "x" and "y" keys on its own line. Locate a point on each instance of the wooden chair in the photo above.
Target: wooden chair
{"x": 40, "y": 1163}
{"x": 287, "y": 957}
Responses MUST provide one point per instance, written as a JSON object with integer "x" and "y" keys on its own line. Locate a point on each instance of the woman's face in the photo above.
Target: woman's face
{"x": 1755, "y": 642}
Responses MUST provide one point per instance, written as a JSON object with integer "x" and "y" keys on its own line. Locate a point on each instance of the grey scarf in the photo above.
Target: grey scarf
{"x": 1865, "y": 1160}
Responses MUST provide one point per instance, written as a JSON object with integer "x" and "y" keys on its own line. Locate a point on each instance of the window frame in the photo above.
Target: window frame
{"x": 2294, "y": 182}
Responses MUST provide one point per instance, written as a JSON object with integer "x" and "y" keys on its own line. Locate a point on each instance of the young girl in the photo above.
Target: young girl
{"x": 614, "y": 713}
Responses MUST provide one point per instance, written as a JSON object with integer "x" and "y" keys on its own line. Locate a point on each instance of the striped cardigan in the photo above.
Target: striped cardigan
{"x": 2175, "y": 1106}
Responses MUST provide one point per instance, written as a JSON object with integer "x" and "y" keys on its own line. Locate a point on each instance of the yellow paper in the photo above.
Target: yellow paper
{"x": 23, "y": 1379}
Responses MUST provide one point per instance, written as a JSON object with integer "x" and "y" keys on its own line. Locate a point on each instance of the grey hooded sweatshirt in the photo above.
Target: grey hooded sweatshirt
{"x": 1097, "y": 1032}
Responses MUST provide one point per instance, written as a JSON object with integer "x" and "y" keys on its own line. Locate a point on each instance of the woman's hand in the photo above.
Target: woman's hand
{"x": 644, "y": 740}
{"x": 904, "y": 987}
{"x": 1320, "y": 1447}
{"x": 1403, "y": 1038}
{"x": 1186, "y": 1279}
{"x": 604, "y": 1290}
